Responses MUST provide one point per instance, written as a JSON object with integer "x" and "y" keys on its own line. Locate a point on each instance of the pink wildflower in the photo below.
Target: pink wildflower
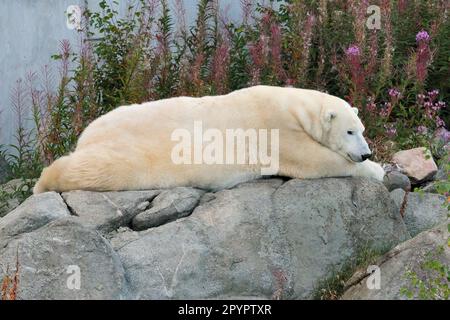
{"x": 353, "y": 51}
{"x": 422, "y": 36}
{"x": 423, "y": 57}
{"x": 422, "y": 130}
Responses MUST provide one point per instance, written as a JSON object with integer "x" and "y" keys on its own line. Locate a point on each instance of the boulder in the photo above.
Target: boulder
{"x": 421, "y": 211}
{"x": 34, "y": 213}
{"x": 49, "y": 259}
{"x": 396, "y": 180}
{"x": 270, "y": 238}
{"x": 411, "y": 261}
{"x": 168, "y": 206}
{"x": 107, "y": 211}
{"x": 417, "y": 164}
{"x": 263, "y": 239}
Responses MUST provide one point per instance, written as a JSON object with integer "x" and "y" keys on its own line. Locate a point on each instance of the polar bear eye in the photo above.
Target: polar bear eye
{"x": 350, "y": 132}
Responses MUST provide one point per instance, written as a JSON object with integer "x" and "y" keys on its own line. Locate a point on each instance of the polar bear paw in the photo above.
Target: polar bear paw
{"x": 372, "y": 170}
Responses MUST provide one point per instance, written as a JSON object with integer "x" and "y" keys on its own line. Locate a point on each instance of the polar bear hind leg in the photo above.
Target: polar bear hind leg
{"x": 50, "y": 176}
{"x": 91, "y": 169}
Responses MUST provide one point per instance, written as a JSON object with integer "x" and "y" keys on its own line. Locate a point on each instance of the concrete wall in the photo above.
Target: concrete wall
{"x": 30, "y": 32}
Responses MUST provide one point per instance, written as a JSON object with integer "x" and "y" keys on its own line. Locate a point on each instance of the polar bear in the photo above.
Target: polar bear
{"x": 132, "y": 147}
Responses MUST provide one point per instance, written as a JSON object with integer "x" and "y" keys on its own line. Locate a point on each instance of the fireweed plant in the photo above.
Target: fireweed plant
{"x": 397, "y": 75}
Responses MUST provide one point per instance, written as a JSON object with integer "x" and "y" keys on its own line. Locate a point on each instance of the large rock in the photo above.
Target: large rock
{"x": 261, "y": 239}
{"x": 52, "y": 256}
{"x": 418, "y": 164}
{"x": 399, "y": 267}
{"x": 107, "y": 211}
{"x": 421, "y": 211}
{"x": 34, "y": 213}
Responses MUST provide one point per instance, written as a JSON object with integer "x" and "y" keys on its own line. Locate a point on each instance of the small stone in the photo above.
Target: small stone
{"x": 396, "y": 180}
{"x": 417, "y": 164}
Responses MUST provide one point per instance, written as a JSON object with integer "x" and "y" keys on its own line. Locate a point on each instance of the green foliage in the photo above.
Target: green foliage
{"x": 166, "y": 77}
{"x": 239, "y": 58}
{"x": 431, "y": 282}
{"x": 12, "y": 195}
{"x": 118, "y": 53}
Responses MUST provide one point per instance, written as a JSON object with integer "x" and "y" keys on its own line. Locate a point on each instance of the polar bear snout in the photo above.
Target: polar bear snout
{"x": 356, "y": 148}
{"x": 355, "y": 157}
{"x": 362, "y": 152}
{"x": 361, "y": 157}
{"x": 366, "y": 156}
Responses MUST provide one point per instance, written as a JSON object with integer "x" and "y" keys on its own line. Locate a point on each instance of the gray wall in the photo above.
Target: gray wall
{"x": 30, "y": 32}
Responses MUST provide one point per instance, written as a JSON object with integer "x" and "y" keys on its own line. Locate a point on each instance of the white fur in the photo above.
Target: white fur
{"x": 130, "y": 148}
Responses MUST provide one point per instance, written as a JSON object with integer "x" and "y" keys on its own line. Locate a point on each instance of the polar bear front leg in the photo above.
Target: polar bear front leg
{"x": 369, "y": 169}
{"x": 311, "y": 160}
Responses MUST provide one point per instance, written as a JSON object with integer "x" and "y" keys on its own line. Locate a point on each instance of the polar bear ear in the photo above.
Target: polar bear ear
{"x": 355, "y": 110}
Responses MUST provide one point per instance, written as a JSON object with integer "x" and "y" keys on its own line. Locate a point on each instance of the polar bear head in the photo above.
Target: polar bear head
{"x": 342, "y": 130}
{"x": 331, "y": 121}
